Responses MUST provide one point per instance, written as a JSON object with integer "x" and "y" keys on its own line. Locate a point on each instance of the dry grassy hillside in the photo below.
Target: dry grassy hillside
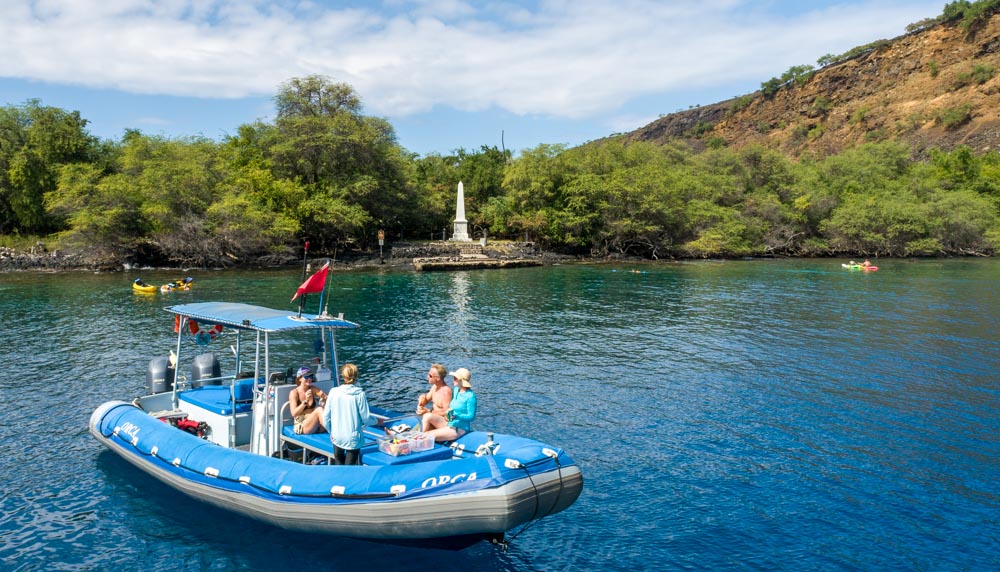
{"x": 929, "y": 89}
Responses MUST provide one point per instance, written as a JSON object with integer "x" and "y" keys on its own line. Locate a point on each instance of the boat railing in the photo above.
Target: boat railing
{"x": 222, "y": 379}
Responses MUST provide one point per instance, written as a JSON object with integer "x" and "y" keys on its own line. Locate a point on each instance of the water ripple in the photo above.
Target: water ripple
{"x": 777, "y": 415}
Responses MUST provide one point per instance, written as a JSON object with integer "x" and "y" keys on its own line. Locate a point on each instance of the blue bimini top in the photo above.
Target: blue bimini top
{"x": 258, "y": 318}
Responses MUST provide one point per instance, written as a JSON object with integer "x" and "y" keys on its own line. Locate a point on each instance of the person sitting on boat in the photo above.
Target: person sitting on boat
{"x": 345, "y": 416}
{"x": 306, "y": 403}
{"x": 866, "y": 263}
{"x": 438, "y": 398}
{"x": 457, "y": 420}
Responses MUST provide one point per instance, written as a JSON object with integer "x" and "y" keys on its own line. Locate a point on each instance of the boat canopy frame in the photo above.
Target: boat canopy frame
{"x": 263, "y": 322}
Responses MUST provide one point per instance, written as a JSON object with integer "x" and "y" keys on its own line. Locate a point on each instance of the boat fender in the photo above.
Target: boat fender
{"x": 203, "y": 335}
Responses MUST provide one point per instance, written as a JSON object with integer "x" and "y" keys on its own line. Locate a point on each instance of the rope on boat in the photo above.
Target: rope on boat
{"x": 535, "y": 519}
{"x": 247, "y": 482}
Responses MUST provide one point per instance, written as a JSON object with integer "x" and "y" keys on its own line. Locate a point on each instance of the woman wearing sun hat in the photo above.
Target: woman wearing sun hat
{"x": 457, "y": 421}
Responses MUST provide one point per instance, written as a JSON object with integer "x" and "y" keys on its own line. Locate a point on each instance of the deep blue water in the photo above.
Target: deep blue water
{"x": 752, "y": 415}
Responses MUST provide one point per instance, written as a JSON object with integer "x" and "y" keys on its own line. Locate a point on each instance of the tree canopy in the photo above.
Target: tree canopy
{"x": 325, "y": 172}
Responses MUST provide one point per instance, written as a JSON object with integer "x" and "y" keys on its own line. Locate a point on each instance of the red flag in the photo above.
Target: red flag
{"x": 314, "y": 283}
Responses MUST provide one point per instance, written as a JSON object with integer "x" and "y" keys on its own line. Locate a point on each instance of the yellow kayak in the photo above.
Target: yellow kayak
{"x": 143, "y": 288}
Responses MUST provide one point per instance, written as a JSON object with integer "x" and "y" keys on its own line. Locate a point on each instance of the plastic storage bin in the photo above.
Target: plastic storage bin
{"x": 405, "y": 443}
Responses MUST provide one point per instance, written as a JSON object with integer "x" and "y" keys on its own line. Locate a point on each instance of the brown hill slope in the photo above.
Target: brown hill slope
{"x": 937, "y": 88}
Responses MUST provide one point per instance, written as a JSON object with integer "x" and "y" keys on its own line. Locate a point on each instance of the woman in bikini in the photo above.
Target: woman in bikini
{"x": 306, "y": 403}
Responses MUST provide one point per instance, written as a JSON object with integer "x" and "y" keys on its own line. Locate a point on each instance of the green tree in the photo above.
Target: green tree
{"x": 966, "y": 222}
{"x": 350, "y": 165}
{"x": 718, "y": 231}
{"x": 955, "y": 169}
{"x": 103, "y": 213}
{"x": 880, "y": 224}
{"x": 177, "y": 179}
{"x": 252, "y": 216}
{"x": 643, "y": 212}
{"x": 534, "y": 183}
{"x": 35, "y": 141}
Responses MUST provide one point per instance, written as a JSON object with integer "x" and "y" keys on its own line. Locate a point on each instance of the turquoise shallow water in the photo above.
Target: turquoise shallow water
{"x": 759, "y": 415}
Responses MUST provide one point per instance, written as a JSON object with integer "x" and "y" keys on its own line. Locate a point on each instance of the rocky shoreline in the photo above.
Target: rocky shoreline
{"x": 38, "y": 259}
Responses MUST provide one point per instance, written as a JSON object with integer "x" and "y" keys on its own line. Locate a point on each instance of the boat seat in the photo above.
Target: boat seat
{"x": 319, "y": 443}
{"x": 375, "y": 457}
{"x": 218, "y": 398}
{"x": 315, "y": 442}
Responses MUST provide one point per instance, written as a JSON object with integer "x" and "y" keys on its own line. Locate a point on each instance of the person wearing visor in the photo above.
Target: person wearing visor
{"x": 306, "y": 403}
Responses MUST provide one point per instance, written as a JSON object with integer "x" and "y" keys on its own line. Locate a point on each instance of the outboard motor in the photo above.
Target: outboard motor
{"x": 160, "y": 375}
{"x": 205, "y": 366}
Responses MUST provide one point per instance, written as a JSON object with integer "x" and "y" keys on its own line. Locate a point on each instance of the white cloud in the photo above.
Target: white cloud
{"x": 559, "y": 58}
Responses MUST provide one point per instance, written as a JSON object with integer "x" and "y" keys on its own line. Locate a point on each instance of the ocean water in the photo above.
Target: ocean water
{"x": 741, "y": 415}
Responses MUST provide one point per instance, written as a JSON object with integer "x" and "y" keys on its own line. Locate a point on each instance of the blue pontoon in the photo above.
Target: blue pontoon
{"x": 225, "y": 439}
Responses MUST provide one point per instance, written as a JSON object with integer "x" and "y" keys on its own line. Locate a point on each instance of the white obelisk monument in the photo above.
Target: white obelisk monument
{"x": 461, "y": 233}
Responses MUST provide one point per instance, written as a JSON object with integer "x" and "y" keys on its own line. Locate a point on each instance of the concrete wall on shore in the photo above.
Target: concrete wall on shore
{"x": 499, "y": 250}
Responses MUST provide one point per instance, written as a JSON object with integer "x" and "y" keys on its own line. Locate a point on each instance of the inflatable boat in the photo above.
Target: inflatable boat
{"x": 228, "y": 440}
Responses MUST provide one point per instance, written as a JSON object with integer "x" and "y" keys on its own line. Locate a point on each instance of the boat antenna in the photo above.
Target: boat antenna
{"x": 305, "y": 268}
{"x": 329, "y": 279}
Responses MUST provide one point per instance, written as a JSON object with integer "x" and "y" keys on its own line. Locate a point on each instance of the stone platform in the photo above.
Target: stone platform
{"x": 470, "y": 263}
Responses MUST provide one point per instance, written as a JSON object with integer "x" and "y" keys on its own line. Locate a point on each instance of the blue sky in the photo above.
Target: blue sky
{"x": 447, "y": 74}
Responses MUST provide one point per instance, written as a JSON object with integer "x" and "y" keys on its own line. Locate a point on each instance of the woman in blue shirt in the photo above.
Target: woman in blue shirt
{"x": 462, "y": 411}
